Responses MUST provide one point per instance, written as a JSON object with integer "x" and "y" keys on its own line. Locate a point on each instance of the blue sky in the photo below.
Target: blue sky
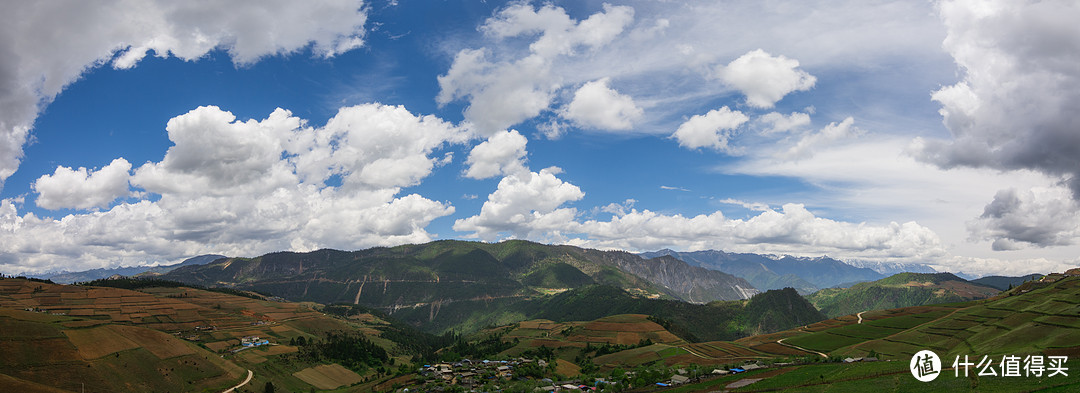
{"x": 884, "y": 131}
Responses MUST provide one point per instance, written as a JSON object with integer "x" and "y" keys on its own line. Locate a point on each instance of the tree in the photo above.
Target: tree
{"x": 269, "y": 388}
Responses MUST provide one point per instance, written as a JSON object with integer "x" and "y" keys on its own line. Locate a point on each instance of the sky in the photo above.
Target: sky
{"x": 944, "y": 133}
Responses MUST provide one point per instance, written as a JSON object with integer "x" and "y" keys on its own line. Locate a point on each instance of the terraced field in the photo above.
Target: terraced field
{"x": 625, "y": 329}
{"x": 328, "y": 376}
{"x": 38, "y": 349}
{"x": 216, "y": 319}
{"x": 639, "y": 356}
{"x": 159, "y": 339}
{"x": 1034, "y": 319}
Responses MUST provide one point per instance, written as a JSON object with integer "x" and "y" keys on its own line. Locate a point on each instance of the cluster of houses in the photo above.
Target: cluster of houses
{"x": 680, "y": 377}
{"x": 469, "y": 373}
{"x": 1053, "y": 277}
{"x": 253, "y": 341}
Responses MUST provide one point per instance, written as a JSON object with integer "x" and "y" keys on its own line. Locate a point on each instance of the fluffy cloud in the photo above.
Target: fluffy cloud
{"x": 1015, "y": 267}
{"x": 531, "y": 207}
{"x": 1018, "y": 105}
{"x": 765, "y": 79}
{"x": 213, "y": 154}
{"x": 712, "y": 129}
{"x": 83, "y": 189}
{"x": 1039, "y": 217}
{"x": 499, "y": 94}
{"x": 375, "y": 147}
{"x": 246, "y": 188}
{"x": 503, "y": 89}
{"x": 48, "y": 45}
{"x": 792, "y": 230}
{"x": 502, "y": 154}
{"x": 524, "y": 206}
{"x": 595, "y": 105}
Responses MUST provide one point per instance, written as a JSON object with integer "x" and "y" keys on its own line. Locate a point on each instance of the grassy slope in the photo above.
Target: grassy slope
{"x": 1036, "y": 318}
{"x": 134, "y": 331}
{"x": 457, "y": 285}
{"x": 1042, "y": 318}
{"x": 899, "y": 290}
{"x": 714, "y": 321}
{"x": 1004, "y": 282}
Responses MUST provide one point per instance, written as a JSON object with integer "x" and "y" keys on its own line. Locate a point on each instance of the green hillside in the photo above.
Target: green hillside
{"x": 557, "y": 275}
{"x": 1040, "y": 317}
{"x": 766, "y": 312}
{"x": 162, "y": 337}
{"x": 461, "y": 286}
{"x": 899, "y": 290}
{"x": 1006, "y": 282}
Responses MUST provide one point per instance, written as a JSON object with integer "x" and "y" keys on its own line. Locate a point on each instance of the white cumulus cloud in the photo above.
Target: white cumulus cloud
{"x": 525, "y": 206}
{"x": 596, "y": 105}
{"x": 240, "y": 187}
{"x": 713, "y": 129}
{"x": 504, "y": 89}
{"x": 764, "y": 78}
{"x": 46, "y": 46}
{"x": 81, "y": 188}
{"x": 502, "y": 154}
{"x": 792, "y": 230}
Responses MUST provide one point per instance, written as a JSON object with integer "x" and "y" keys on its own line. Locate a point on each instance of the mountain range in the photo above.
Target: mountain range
{"x": 459, "y": 285}
{"x": 153, "y": 335}
{"x": 95, "y": 274}
{"x": 1005, "y": 282}
{"x": 806, "y": 275}
{"x": 899, "y": 290}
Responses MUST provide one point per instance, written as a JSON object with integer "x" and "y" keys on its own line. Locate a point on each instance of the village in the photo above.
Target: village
{"x": 469, "y": 373}
{"x": 473, "y": 375}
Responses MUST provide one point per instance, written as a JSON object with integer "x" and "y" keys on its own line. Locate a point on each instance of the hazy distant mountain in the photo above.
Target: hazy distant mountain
{"x": 450, "y": 284}
{"x": 899, "y": 290}
{"x": 767, "y": 272}
{"x": 890, "y": 268}
{"x": 1004, "y": 282}
{"x": 94, "y": 274}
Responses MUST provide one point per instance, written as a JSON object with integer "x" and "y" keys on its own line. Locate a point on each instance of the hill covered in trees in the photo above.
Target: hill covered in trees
{"x": 898, "y": 290}
{"x": 459, "y": 285}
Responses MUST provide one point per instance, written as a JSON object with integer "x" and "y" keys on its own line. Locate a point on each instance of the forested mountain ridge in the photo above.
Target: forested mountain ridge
{"x": 898, "y": 290}
{"x": 806, "y": 275}
{"x": 444, "y": 284}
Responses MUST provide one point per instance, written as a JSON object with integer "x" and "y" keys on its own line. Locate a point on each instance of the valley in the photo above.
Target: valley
{"x": 513, "y": 316}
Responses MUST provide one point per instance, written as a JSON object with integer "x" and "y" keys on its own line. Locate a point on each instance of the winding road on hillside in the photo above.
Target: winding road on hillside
{"x": 781, "y": 342}
{"x": 860, "y": 316}
{"x": 250, "y": 374}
